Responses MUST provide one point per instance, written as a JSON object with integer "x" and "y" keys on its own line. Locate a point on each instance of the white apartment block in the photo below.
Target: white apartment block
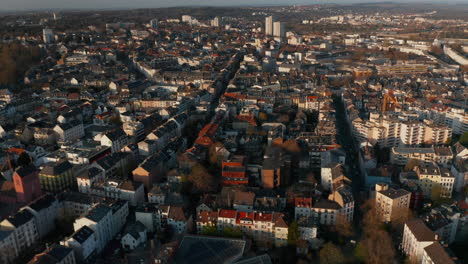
{"x": 329, "y": 173}
{"x": 99, "y": 219}
{"x": 401, "y": 155}
{"x": 435, "y": 254}
{"x": 23, "y": 228}
{"x": 420, "y": 244}
{"x": 392, "y": 132}
{"x": 83, "y": 242}
{"x": 117, "y": 189}
{"x": 106, "y": 221}
{"x": 7, "y": 246}
{"x": 416, "y": 236}
{"x": 45, "y": 210}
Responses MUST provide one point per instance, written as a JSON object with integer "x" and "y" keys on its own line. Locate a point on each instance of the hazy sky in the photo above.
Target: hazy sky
{"x": 8, "y": 5}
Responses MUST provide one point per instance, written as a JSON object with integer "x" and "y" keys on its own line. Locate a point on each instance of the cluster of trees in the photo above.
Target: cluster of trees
{"x": 376, "y": 246}
{"x": 202, "y": 180}
{"x": 16, "y": 59}
{"x": 464, "y": 139}
{"x": 212, "y": 230}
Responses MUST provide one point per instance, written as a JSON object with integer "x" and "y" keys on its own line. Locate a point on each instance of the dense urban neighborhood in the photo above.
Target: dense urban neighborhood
{"x": 297, "y": 134}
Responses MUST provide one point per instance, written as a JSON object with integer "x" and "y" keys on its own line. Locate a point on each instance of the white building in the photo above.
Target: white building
{"x": 83, "y": 242}
{"x": 23, "y": 228}
{"x": 149, "y": 215}
{"x": 45, "y": 210}
{"x": 279, "y": 29}
{"x": 269, "y": 26}
{"x": 421, "y": 246}
{"x": 134, "y": 236}
{"x": 329, "y": 173}
{"x": 7, "y": 246}
{"x": 99, "y": 219}
{"x": 154, "y": 23}
{"x": 215, "y": 22}
{"x": 48, "y": 35}
{"x": 116, "y": 139}
{"x": 69, "y": 132}
{"x": 118, "y": 189}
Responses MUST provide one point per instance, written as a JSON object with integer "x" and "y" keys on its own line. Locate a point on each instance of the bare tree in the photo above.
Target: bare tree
{"x": 201, "y": 179}
{"x": 376, "y": 245}
{"x": 331, "y": 254}
{"x": 343, "y": 227}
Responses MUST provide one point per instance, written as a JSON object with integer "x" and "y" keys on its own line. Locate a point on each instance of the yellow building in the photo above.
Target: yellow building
{"x": 56, "y": 177}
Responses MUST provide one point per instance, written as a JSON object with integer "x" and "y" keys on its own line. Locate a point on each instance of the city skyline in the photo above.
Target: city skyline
{"x": 44, "y": 5}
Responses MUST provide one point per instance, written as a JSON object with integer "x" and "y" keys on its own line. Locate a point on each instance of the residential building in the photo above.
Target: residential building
{"x": 269, "y": 26}
{"x": 279, "y": 29}
{"x": 48, "y": 35}
{"x": 420, "y": 244}
{"x": 391, "y": 204}
{"x": 83, "y": 242}
{"x": 56, "y": 254}
{"x": 100, "y": 220}
{"x": 27, "y": 184}
{"x": 434, "y": 181}
{"x": 401, "y": 155}
{"x": 55, "y": 177}
{"x": 133, "y": 236}
{"x": 45, "y": 210}
{"x": 23, "y": 228}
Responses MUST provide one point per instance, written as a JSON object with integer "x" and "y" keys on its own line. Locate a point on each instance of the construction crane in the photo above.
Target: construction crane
{"x": 389, "y": 102}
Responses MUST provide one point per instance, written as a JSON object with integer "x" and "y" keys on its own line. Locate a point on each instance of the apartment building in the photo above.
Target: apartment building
{"x": 434, "y": 181}
{"x": 99, "y": 219}
{"x": 83, "y": 242}
{"x": 330, "y": 174}
{"x": 105, "y": 220}
{"x": 391, "y": 204}
{"x": 266, "y": 228}
{"x": 416, "y": 236}
{"x": 420, "y": 244}
{"x": 24, "y": 231}
{"x": 56, "y": 254}
{"x": 391, "y": 132}
{"x": 401, "y": 155}
{"x": 57, "y": 177}
{"x": 343, "y": 196}
{"x": 45, "y": 210}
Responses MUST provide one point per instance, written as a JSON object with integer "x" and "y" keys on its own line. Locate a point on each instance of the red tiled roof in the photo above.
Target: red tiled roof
{"x": 16, "y": 150}
{"x": 302, "y": 202}
{"x": 227, "y": 213}
{"x": 244, "y": 216}
{"x": 263, "y": 217}
{"x": 207, "y": 216}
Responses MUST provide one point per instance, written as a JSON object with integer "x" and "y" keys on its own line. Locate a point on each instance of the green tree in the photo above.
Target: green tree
{"x": 209, "y": 230}
{"x": 232, "y": 232}
{"x": 293, "y": 233}
{"x": 331, "y": 254}
{"x": 464, "y": 139}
